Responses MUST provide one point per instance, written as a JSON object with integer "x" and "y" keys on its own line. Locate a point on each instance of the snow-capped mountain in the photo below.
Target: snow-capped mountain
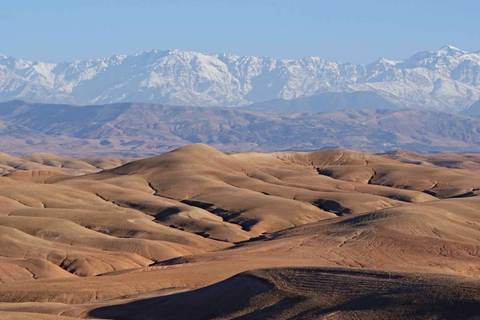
{"x": 447, "y": 80}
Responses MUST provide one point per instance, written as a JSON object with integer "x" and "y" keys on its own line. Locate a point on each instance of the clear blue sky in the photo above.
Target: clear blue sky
{"x": 358, "y": 31}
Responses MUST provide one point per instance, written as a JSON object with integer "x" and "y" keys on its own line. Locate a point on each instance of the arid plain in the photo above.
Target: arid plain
{"x": 200, "y": 234}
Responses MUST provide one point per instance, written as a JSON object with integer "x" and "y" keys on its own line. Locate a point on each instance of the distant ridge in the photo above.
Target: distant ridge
{"x": 137, "y": 130}
{"x": 448, "y": 79}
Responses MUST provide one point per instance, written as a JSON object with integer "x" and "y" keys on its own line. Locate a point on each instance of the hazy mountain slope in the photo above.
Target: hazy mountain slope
{"x": 444, "y": 80}
{"x": 473, "y": 110}
{"x": 132, "y": 129}
{"x": 328, "y": 101}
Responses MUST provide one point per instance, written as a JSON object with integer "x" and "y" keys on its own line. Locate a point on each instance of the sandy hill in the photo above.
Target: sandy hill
{"x": 126, "y": 239}
{"x": 44, "y": 161}
{"x": 448, "y": 160}
{"x": 292, "y": 293}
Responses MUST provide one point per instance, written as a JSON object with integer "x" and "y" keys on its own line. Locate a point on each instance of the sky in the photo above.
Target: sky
{"x": 342, "y": 30}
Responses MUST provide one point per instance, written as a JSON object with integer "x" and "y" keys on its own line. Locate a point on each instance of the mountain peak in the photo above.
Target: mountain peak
{"x": 387, "y": 61}
{"x": 449, "y": 50}
{"x": 153, "y": 52}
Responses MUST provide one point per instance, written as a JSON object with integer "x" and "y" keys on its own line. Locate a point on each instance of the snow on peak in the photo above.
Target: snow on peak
{"x": 387, "y": 61}
{"x": 436, "y": 80}
{"x": 448, "y": 50}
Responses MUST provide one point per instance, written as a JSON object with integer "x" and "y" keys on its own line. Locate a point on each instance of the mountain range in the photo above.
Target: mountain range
{"x": 445, "y": 80}
{"x": 136, "y": 129}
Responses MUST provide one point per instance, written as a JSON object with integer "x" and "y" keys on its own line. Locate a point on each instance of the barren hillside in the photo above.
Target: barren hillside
{"x": 336, "y": 233}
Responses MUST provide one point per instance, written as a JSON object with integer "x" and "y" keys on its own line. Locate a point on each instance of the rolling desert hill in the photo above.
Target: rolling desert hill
{"x": 292, "y": 293}
{"x": 140, "y": 130}
{"x": 325, "y": 234}
{"x": 447, "y": 160}
{"x": 47, "y": 163}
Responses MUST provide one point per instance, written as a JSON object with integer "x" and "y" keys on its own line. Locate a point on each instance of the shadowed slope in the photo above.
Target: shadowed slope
{"x": 314, "y": 293}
